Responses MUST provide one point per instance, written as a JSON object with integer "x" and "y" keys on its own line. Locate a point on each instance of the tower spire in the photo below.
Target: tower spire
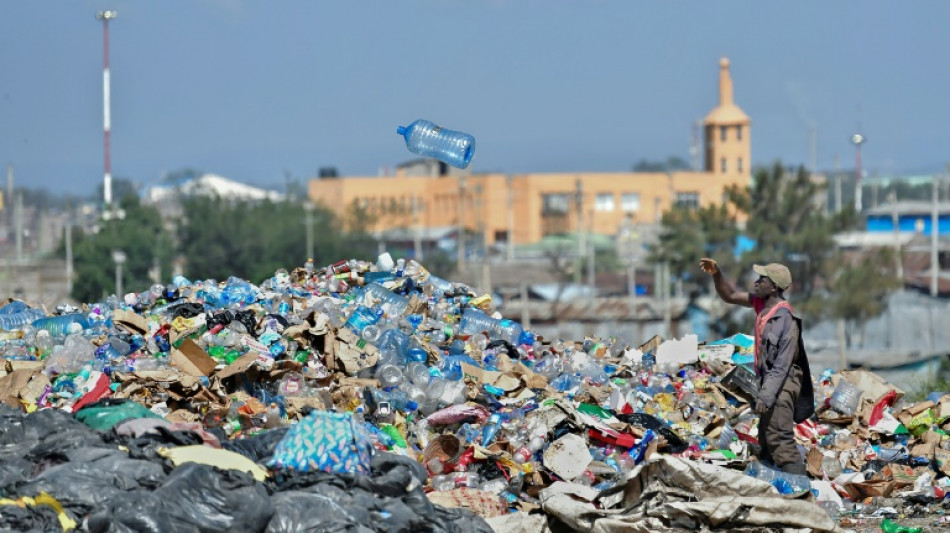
{"x": 725, "y": 83}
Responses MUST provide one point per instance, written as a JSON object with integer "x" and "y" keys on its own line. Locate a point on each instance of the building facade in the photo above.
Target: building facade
{"x": 525, "y": 208}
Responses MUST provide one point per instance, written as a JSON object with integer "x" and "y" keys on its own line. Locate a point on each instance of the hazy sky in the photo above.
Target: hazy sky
{"x": 251, "y": 91}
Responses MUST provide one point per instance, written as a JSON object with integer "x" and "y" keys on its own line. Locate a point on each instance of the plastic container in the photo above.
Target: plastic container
{"x": 846, "y": 398}
{"x": 784, "y": 482}
{"x": 361, "y": 317}
{"x": 474, "y": 321}
{"x": 15, "y": 319}
{"x": 394, "y": 304}
{"x": 429, "y": 140}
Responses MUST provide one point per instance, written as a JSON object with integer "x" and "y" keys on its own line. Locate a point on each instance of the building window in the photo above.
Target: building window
{"x": 604, "y": 201}
{"x": 630, "y": 202}
{"x": 688, "y": 200}
{"x": 555, "y": 204}
{"x": 739, "y": 165}
{"x": 722, "y": 164}
{"x": 722, "y": 133}
{"x": 501, "y": 236}
{"x": 739, "y": 132}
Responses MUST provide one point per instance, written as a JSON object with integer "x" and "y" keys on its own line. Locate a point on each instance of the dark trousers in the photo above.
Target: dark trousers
{"x": 777, "y": 428}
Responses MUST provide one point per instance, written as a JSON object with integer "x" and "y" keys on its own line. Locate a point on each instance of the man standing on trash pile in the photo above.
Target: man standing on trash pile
{"x": 785, "y": 395}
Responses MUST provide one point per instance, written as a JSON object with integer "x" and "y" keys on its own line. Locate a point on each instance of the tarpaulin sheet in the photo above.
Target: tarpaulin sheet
{"x": 672, "y": 494}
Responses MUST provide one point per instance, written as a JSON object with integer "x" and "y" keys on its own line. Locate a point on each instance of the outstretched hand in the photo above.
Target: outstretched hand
{"x": 709, "y": 266}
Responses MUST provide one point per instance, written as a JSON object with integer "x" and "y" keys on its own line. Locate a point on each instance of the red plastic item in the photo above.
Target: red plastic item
{"x": 609, "y": 436}
{"x": 100, "y": 391}
{"x": 877, "y": 413}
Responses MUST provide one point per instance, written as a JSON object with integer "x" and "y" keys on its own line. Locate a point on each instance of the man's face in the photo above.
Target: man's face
{"x": 763, "y": 287}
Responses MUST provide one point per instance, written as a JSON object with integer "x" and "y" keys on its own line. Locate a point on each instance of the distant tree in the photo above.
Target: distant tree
{"x": 251, "y": 240}
{"x": 861, "y": 290}
{"x": 672, "y": 163}
{"x": 140, "y": 235}
{"x": 689, "y": 234}
{"x": 121, "y": 189}
{"x": 788, "y": 223}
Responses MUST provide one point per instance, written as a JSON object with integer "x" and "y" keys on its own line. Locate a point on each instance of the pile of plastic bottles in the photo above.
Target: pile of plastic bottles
{"x": 422, "y": 343}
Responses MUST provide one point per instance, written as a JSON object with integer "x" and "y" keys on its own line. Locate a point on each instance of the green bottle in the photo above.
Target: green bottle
{"x": 217, "y": 352}
{"x": 891, "y": 527}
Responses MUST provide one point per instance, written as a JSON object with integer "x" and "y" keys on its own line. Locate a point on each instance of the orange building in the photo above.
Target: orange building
{"x": 528, "y": 207}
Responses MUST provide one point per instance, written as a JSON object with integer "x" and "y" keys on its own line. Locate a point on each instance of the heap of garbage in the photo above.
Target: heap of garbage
{"x": 380, "y": 397}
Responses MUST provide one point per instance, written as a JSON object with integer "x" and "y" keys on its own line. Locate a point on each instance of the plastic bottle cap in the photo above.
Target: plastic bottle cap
{"x": 401, "y": 130}
{"x": 411, "y": 405}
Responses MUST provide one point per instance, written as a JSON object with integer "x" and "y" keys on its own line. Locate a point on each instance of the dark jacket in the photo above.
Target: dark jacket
{"x": 783, "y": 347}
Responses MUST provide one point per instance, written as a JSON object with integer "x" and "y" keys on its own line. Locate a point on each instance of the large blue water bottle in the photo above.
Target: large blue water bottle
{"x": 426, "y": 139}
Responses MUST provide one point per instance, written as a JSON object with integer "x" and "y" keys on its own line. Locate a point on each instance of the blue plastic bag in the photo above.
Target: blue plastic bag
{"x": 325, "y": 441}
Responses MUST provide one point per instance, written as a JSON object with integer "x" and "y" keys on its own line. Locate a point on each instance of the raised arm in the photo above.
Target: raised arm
{"x": 724, "y": 289}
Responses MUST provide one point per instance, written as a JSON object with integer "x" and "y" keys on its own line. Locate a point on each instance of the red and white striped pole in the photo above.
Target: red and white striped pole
{"x": 105, "y": 17}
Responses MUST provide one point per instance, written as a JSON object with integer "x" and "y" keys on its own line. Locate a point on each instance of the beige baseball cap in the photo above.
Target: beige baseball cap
{"x": 778, "y": 273}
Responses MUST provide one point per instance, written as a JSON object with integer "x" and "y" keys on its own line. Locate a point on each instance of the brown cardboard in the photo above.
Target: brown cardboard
{"x": 35, "y": 388}
{"x": 926, "y": 445}
{"x": 870, "y": 489}
{"x": 651, "y": 345}
{"x": 813, "y": 462}
{"x": 943, "y": 460}
{"x": 488, "y": 377}
{"x": 130, "y": 320}
{"x": 874, "y": 386}
{"x": 353, "y": 353}
{"x": 902, "y": 475}
{"x": 239, "y": 366}
{"x": 13, "y": 384}
{"x": 198, "y": 357}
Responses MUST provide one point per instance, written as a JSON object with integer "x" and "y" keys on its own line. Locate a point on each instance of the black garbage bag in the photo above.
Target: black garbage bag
{"x": 91, "y": 477}
{"x": 316, "y": 513}
{"x": 194, "y": 498}
{"x": 39, "y": 435}
{"x": 258, "y": 448}
{"x": 41, "y": 518}
{"x": 390, "y": 499}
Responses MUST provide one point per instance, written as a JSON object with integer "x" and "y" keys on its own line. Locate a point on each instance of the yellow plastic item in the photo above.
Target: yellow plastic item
{"x": 44, "y": 499}
{"x": 483, "y": 302}
{"x": 207, "y": 455}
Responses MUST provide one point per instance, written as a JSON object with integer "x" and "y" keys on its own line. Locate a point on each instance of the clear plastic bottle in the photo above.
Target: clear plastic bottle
{"x": 394, "y": 304}
{"x": 784, "y": 482}
{"x": 361, "y": 317}
{"x": 16, "y": 319}
{"x": 62, "y": 325}
{"x": 426, "y": 139}
{"x": 474, "y": 321}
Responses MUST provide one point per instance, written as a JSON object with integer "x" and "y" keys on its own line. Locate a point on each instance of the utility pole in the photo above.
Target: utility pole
{"x": 19, "y": 227}
{"x": 417, "y": 229}
{"x": 460, "y": 239}
{"x": 837, "y": 184}
{"x": 308, "y": 220}
{"x": 591, "y": 270}
{"x": 895, "y": 218}
{"x": 813, "y": 147}
{"x": 857, "y": 139}
{"x": 69, "y": 252}
{"x": 667, "y": 303}
{"x": 934, "y": 233}
{"x": 581, "y": 241}
{"x": 510, "y": 245}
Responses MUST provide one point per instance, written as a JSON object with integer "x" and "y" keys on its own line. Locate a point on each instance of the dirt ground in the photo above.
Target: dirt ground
{"x": 873, "y": 525}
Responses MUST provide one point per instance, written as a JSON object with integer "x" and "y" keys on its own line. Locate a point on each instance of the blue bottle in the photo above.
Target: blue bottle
{"x": 491, "y": 429}
{"x": 426, "y": 139}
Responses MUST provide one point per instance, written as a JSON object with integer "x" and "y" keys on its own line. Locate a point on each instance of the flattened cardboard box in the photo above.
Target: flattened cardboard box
{"x": 192, "y": 360}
